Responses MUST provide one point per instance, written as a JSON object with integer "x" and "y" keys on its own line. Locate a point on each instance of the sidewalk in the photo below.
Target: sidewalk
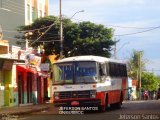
{"x": 20, "y": 110}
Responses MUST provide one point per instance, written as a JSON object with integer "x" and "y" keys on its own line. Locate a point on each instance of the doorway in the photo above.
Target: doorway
{"x": 29, "y": 87}
{"x": 20, "y": 88}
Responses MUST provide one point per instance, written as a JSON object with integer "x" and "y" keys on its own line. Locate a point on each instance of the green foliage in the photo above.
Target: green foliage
{"x": 133, "y": 64}
{"x": 85, "y": 38}
{"x": 149, "y": 81}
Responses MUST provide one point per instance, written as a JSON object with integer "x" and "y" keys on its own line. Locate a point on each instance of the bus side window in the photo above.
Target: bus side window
{"x": 125, "y": 70}
{"x": 111, "y": 69}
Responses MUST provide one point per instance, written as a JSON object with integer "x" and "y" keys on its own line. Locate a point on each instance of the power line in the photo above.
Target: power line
{"x": 130, "y": 27}
{"x": 151, "y": 28}
{"x": 18, "y": 5}
{"x": 139, "y": 32}
{"x": 27, "y": 30}
{"x": 43, "y": 34}
{"x": 48, "y": 40}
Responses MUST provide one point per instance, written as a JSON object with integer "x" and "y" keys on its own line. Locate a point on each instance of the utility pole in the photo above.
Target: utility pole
{"x": 140, "y": 71}
{"x": 61, "y": 30}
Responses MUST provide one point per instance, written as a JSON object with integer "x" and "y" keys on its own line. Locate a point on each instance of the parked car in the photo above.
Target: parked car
{"x": 158, "y": 94}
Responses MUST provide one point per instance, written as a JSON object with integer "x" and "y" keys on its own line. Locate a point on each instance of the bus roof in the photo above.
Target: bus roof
{"x": 89, "y": 58}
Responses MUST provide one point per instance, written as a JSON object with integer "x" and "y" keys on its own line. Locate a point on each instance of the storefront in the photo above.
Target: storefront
{"x": 8, "y": 95}
{"x": 27, "y": 85}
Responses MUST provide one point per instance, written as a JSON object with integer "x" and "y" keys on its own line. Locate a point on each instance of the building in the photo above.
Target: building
{"x": 20, "y": 83}
{"x": 15, "y": 13}
{"x": 8, "y": 84}
{"x": 22, "y": 79}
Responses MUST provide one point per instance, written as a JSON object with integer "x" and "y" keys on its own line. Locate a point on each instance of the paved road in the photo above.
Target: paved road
{"x": 132, "y": 110}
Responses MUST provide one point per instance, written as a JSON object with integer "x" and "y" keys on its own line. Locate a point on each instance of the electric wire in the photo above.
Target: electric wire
{"x": 27, "y": 30}
{"x": 151, "y": 28}
{"x": 42, "y": 34}
{"x": 138, "y": 32}
{"x": 132, "y": 27}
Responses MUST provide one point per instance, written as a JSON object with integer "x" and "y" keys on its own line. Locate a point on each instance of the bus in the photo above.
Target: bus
{"x": 89, "y": 81}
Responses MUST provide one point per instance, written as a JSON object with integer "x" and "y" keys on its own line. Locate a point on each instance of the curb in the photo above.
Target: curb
{"x": 23, "y": 112}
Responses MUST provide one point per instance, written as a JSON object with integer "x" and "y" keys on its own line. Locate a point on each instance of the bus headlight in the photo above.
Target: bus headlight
{"x": 93, "y": 94}
{"x": 56, "y": 95}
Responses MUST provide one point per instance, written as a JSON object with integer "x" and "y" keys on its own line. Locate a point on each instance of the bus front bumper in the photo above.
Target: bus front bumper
{"x": 94, "y": 102}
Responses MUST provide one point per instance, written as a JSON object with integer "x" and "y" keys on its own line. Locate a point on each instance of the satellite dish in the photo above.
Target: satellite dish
{"x": 1, "y": 33}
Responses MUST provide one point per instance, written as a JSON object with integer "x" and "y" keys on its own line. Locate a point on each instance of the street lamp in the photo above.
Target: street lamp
{"x": 76, "y": 13}
{"x": 61, "y": 27}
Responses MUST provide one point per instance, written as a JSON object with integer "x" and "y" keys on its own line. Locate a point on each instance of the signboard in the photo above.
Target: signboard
{"x": 15, "y": 52}
{"x": 3, "y": 49}
{"x": 35, "y": 61}
{"x": 7, "y": 65}
{"x": 44, "y": 67}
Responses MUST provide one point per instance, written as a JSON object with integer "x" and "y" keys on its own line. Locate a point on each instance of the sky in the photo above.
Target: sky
{"x": 136, "y": 24}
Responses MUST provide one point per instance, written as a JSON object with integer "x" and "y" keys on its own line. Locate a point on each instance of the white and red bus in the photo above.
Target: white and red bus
{"x": 89, "y": 81}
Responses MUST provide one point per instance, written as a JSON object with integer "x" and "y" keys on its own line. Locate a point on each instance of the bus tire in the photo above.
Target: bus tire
{"x": 106, "y": 100}
{"x": 104, "y": 107}
{"x": 119, "y": 104}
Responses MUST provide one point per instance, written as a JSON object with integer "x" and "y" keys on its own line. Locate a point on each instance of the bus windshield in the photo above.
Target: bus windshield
{"x": 63, "y": 73}
{"x": 85, "y": 72}
{"x": 74, "y": 72}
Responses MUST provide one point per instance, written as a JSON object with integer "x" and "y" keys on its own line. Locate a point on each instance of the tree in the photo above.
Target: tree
{"x": 149, "y": 81}
{"x": 85, "y": 38}
{"x": 133, "y": 64}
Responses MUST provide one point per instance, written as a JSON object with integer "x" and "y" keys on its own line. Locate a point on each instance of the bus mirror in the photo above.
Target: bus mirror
{"x": 100, "y": 71}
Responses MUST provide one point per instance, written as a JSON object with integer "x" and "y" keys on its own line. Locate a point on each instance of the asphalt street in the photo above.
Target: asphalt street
{"x": 133, "y": 110}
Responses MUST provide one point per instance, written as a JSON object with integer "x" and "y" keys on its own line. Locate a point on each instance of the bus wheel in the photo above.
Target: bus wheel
{"x": 105, "y": 107}
{"x": 119, "y": 104}
{"x": 102, "y": 108}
